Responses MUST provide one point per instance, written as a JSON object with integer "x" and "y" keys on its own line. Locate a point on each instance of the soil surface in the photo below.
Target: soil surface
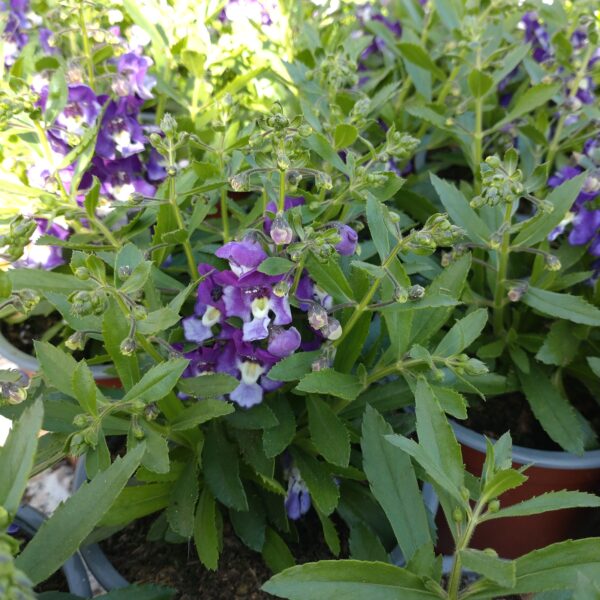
{"x": 22, "y": 335}
{"x": 241, "y": 571}
{"x": 512, "y": 412}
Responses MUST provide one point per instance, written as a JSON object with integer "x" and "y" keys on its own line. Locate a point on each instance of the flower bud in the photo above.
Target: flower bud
{"x": 171, "y": 171}
{"x": 416, "y": 292}
{"x": 457, "y": 515}
{"x": 139, "y": 312}
{"x": 82, "y": 273}
{"x": 4, "y": 518}
{"x": 12, "y": 393}
{"x": 168, "y": 124}
{"x": 317, "y": 316}
{"x": 81, "y": 303}
{"x": 151, "y": 412}
{"x": 400, "y": 294}
{"x": 76, "y": 341}
{"x": 552, "y": 263}
{"x": 494, "y": 506}
{"x": 80, "y": 420}
{"x": 123, "y": 272}
{"x": 332, "y": 330}
{"x": 321, "y": 363}
{"x": 155, "y": 139}
{"x": 281, "y": 232}
{"x": 128, "y": 347}
{"x": 281, "y": 288}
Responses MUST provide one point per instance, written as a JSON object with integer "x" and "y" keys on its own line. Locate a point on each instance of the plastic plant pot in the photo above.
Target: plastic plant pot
{"x": 29, "y": 364}
{"x": 95, "y": 559}
{"x": 549, "y": 471}
{"x": 30, "y": 520}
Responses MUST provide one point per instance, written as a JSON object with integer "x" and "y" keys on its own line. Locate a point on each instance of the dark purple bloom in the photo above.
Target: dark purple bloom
{"x": 378, "y": 44}
{"x": 349, "y": 238}
{"x": 121, "y": 178}
{"x": 283, "y": 342}
{"x": 297, "y": 502}
{"x": 244, "y": 257}
{"x": 133, "y": 77}
{"x": 156, "y": 166}
{"x": 44, "y": 257}
{"x": 568, "y": 172}
{"x": 585, "y": 227}
{"x": 537, "y": 35}
{"x": 120, "y": 133}
{"x": 14, "y": 36}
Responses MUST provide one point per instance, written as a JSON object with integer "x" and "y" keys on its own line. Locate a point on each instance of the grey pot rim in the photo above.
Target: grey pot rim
{"x": 546, "y": 459}
{"x": 30, "y": 364}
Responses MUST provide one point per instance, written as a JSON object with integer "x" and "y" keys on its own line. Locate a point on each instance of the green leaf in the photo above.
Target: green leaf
{"x": 206, "y": 531}
{"x": 250, "y": 526}
{"x": 418, "y": 56}
{"x": 552, "y": 568}
{"x": 501, "y": 482}
{"x": 320, "y": 483}
{"x": 394, "y": 484}
{"x": 91, "y": 198}
{"x": 277, "y": 439}
{"x": 451, "y": 401}
{"x": 328, "y": 433}
{"x": 184, "y": 495}
{"x": 479, "y": 83}
{"x": 332, "y": 539}
{"x": 552, "y": 409}
{"x": 294, "y": 367}
{"x": 85, "y": 388}
{"x": 212, "y": 385}
{"x": 537, "y": 229}
{"x": 502, "y": 572}
{"x": 46, "y": 281}
{"x": 57, "y": 367}
{"x": 275, "y": 552}
{"x": 17, "y": 457}
{"x": 460, "y": 211}
{"x": 60, "y": 536}
{"x": 330, "y": 382}
{"x": 135, "y": 502}
{"x": 344, "y": 136}
{"x": 378, "y": 218}
{"x": 156, "y": 457}
{"x": 533, "y": 97}
{"x": 546, "y": 503}
{"x": 220, "y": 462}
{"x": 560, "y": 345}
{"x": 138, "y": 278}
{"x": 435, "y": 434}
{"x": 319, "y": 144}
{"x": 275, "y": 265}
{"x": 201, "y": 412}
{"x": 594, "y": 363}
{"x": 562, "y": 306}
{"x": 449, "y": 12}
{"x": 348, "y": 579}
{"x": 365, "y": 545}
{"x": 115, "y": 328}
{"x": 463, "y": 333}
{"x": 330, "y": 278}
{"x": 157, "y": 382}
{"x": 57, "y": 95}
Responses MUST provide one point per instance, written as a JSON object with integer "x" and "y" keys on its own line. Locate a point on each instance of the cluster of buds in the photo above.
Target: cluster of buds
{"x": 501, "y": 181}
{"x": 167, "y": 145}
{"x": 86, "y": 302}
{"x": 462, "y": 364}
{"x": 14, "y": 584}
{"x": 398, "y": 145}
{"x": 13, "y": 390}
{"x": 437, "y": 231}
{"x": 335, "y": 72}
{"x": 14, "y": 104}
{"x": 18, "y": 236}
{"x": 84, "y": 440}
{"x": 23, "y": 301}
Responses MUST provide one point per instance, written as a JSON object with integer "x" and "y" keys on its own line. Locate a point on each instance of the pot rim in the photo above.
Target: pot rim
{"x": 546, "y": 459}
{"x": 30, "y": 364}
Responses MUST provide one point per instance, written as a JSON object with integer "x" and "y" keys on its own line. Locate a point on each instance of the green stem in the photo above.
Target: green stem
{"x": 106, "y": 232}
{"x": 499, "y": 291}
{"x": 281, "y": 204}
{"x": 187, "y": 247}
{"x": 478, "y": 133}
{"x": 224, "y": 212}
{"x": 86, "y": 47}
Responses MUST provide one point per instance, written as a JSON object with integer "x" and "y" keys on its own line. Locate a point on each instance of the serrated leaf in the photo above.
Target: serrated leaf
{"x": 275, "y": 265}
{"x": 157, "y": 382}
{"x": 479, "y": 83}
{"x": 365, "y": 545}
{"x": 201, "y": 412}
{"x": 319, "y": 480}
{"x": 394, "y": 484}
{"x": 60, "y": 536}
{"x": 330, "y": 382}
{"x": 502, "y": 572}
{"x": 206, "y": 533}
{"x": 348, "y": 579}
{"x": 182, "y": 505}
{"x": 85, "y": 388}
{"x": 451, "y": 401}
{"x": 535, "y": 96}
{"x": 277, "y": 439}
{"x": 377, "y": 219}
{"x": 138, "y": 278}
{"x": 330, "y": 277}
{"x": 212, "y": 385}
{"x": 135, "y": 502}
{"x": 319, "y": 144}
{"x": 294, "y": 367}
{"x": 328, "y": 433}
{"x": 275, "y": 552}
{"x": 418, "y": 56}
{"x": 344, "y": 135}
{"x": 562, "y": 306}
{"x": 463, "y": 333}
{"x": 115, "y": 329}
{"x": 57, "y": 367}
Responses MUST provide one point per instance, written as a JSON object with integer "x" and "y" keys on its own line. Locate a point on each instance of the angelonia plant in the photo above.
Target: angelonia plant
{"x": 251, "y": 226}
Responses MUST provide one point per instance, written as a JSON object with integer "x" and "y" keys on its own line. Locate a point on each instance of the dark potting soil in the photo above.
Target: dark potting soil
{"x": 22, "y": 335}
{"x": 241, "y": 571}
{"x": 511, "y": 412}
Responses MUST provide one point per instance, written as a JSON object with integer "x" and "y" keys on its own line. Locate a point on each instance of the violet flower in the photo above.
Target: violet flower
{"x": 537, "y": 35}
{"x": 297, "y": 502}
{"x": 14, "y": 36}
{"x": 44, "y": 257}
{"x": 132, "y": 76}
{"x": 349, "y": 239}
{"x": 244, "y": 257}
{"x": 120, "y": 133}
{"x": 121, "y": 178}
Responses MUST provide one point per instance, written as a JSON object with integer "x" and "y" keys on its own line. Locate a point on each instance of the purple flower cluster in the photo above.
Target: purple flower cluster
{"x": 14, "y": 36}
{"x": 44, "y": 257}
{"x": 585, "y": 217}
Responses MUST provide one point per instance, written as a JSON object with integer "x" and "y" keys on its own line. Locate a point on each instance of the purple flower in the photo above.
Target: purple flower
{"x": 283, "y": 342}
{"x": 121, "y": 178}
{"x": 585, "y": 227}
{"x": 156, "y": 166}
{"x": 259, "y": 11}
{"x": 14, "y": 37}
{"x": 271, "y": 209}
{"x": 120, "y": 132}
{"x": 297, "y": 502}
{"x": 569, "y": 172}
{"x": 349, "y": 238}
{"x": 244, "y": 257}
{"x": 133, "y": 76}
{"x": 378, "y": 44}
{"x": 537, "y": 35}
{"x": 44, "y": 257}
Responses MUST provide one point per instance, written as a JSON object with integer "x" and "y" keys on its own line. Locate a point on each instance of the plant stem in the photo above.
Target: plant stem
{"x": 224, "y": 213}
{"x": 502, "y": 271}
{"x": 86, "y": 47}
{"x": 281, "y": 204}
{"x": 478, "y": 133}
{"x": 187, "y": 247}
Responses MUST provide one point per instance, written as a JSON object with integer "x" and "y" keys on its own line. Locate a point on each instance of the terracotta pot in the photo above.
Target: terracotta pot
{"x": 30, "y": 520}
{"x": 550, "y": 471}
{"x": 29, "y": 364}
